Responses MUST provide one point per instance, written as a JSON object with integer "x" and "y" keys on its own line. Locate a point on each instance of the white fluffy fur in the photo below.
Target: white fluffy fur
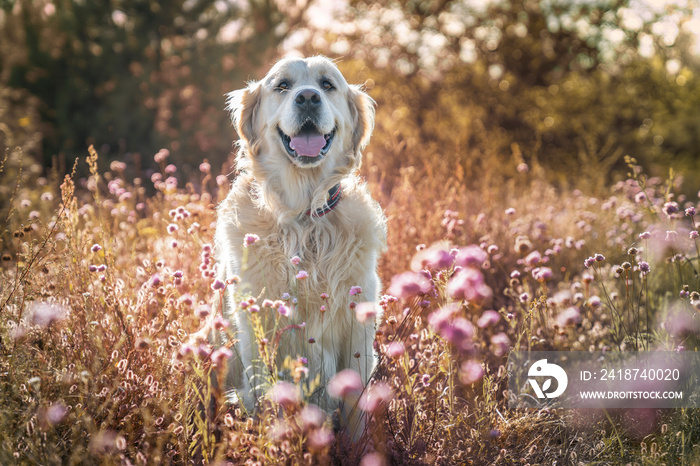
{"x": 270, "y": 198}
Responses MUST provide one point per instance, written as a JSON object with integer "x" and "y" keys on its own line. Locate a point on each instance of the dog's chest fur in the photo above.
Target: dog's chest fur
{"x": 333, "y": 249}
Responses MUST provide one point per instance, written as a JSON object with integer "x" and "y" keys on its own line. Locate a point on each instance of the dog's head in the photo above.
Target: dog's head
{"x": 305, "y": 114}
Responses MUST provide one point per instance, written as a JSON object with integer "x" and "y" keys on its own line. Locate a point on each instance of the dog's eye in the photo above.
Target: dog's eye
{"x": 326, "y": 84}
{"x": 282, "y": 86}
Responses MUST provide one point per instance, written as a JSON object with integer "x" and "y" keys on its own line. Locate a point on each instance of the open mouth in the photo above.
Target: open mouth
{"x": 308, "y": 145}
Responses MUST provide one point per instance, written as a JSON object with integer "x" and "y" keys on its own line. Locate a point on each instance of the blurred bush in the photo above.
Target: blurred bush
{"x": 562, "y": 89}
{"x": 132, "y": 76}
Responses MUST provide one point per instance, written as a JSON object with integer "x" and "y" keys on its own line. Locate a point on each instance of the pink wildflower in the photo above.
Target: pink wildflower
{"x": 365, "y": 312}
{"x": 285, "y": 394}
{"x": 221, "y": 356}
{"x": 435, "y": 257}
{"x": 471, "y": 256}
{"x": 469, "y": 284}
{"x": 488, "y": 319}
{"x": 344, "y": 383}
{"x": 374, "y": 396}
{"x": 470, "y": 372}
{"x": 395, "y": 349}
{"x": 302, "y": 274}
{"x": 500, "y": 344}
{"x": 250, "y": 239}
{"x": 320, "y": 439}
{"x": 408, "y": 284}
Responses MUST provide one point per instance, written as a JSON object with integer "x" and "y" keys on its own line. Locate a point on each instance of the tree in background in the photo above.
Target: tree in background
{"x": 570, "y": 86}
{"x": 132, "y": 76}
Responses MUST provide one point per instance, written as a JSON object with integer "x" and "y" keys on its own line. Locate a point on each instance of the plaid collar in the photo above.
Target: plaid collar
{"x": 332, "y": 199}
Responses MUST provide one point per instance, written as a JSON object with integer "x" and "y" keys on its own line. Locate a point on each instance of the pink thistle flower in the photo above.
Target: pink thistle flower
{"x": 645, "y": 235}
{"x": 471, "y": 256}
{"x": 354, "y": 290}
{"x": 172, "y": 228}
{"x": 220, "y": 357}
{"x": 395, "y": 349}
{"x": 373, "y": 459}
{"x": 594, "y": 301}
{"x": 435, "y": 257}
{"x": 206, "y": 248}
{"x": 488, "y": 319}
{"x": 408, "y": 284}
{"x": 644, "y": 267}
{"x": 542, "y": 274}
{"x": 468, "y": 284}
{"x": 44, "y": 313}
{"x": 533, "y": 258}
{"x": 92, "y": 268}
{"x": 569, "y": 317}
{"x": 302, "y": 274}
{"x": 161, "y": 155}
{"x": 250, "y": 239}
{"x": 285, "y": 394}
{"x": 457, "y": 330}
{"x": 374, "y": 396}
{"x": 344, "y": 383}
{"x": 283, "y": 310}
{"x": 218, "y": 285}
{"x": 202, "y": 311}
{"x": 366, "y": 312}
{"x": 312, "y": 417}
{"x": 185, "y": 350}
{"x": 515, "y": 274}
{"x": 296, "y": 260}
{"x": 510, "y": 211}
{"x": 95, "y": 247}
{"x": 170, "y": 169}
{"x": 186, "y": 299}
{"x": 670, "y": 208}
{"x": 320, "y": 439}
{"x": 324, "y": 295}
{"x": 470, "y": 372}
{"x": 693, "y": 234}
{"x": 690, "y": 212}
{"x": 56, "y": 413}
{"x": 203, "y": 351}
{"x": 220, "y": 323}
{"x": 500, "y": 344}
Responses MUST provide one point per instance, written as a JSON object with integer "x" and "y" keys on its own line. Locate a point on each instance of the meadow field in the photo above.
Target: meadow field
{"x": 528, "y": 210}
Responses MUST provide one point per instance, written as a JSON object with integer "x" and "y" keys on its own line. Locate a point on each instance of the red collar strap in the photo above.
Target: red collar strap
{"x": 332, "y": 199}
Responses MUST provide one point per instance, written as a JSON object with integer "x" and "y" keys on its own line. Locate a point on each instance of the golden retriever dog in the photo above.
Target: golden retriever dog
{"x": 302, "y": 129}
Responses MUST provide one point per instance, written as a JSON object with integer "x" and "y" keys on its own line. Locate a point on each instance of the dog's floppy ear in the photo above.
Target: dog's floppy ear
{"x": 243, "y": 105}
{"x": 362, "y": 108}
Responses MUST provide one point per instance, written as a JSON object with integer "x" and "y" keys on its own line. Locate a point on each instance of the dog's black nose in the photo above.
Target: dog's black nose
{"x": 307, "y": 98}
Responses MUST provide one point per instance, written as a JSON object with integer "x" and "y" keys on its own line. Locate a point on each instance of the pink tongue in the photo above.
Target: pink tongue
{"x": 309, "y": 145}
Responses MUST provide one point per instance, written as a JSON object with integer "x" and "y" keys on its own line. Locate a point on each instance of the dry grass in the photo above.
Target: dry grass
{"x": 97, "y": 363}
